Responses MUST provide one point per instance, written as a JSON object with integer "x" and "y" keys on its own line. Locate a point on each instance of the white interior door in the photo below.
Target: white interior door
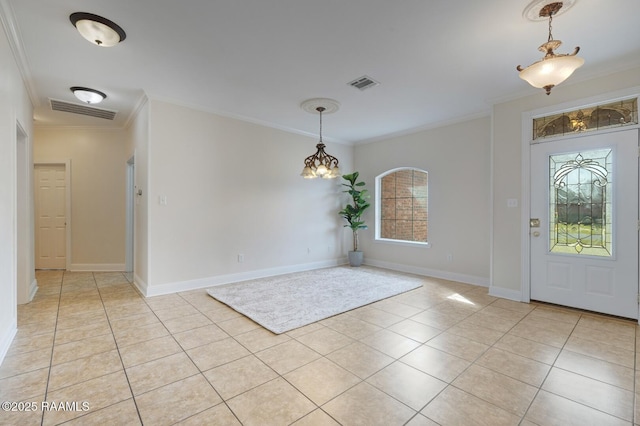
{"x": 50, "y": 216}
{"x": 584, "y": 244}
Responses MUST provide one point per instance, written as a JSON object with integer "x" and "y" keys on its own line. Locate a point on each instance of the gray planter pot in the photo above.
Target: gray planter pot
{"x": 355, "y": 258}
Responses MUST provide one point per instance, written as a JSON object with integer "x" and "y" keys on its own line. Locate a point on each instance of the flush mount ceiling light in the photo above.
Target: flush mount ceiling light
{"x": 89, "y": 96}
{"x": 97, "y": 30}
{"x": 320, "y": 164}
{"x": 554, "y": 68}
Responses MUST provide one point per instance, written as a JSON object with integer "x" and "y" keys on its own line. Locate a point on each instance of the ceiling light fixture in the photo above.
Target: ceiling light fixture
{"x": 320, "y": 164}
{"x": 554, "y": 68}
{"x": 89, "y": 96}
{"x": 97, "y": 30}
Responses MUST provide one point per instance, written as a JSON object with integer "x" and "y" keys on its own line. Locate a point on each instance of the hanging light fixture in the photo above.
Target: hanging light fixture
{"x": 554, "y": 68}
{"x": 90, "y": 96}
{"x": 97, "y": 30}
{"x": 320, "y": 164}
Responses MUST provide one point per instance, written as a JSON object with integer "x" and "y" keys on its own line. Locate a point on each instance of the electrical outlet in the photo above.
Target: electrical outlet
{"x": 449, "y": 257}
{"x": 240, "y": 258}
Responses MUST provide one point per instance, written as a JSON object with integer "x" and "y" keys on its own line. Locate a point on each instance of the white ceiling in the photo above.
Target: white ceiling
{"x": 437, "y": 61}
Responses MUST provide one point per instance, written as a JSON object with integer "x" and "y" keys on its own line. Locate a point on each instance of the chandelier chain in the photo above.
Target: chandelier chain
{"x": 550, "y": 20}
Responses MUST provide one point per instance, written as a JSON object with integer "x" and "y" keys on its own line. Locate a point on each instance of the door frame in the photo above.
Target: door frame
{"x": 67, "y": 170}
{"x": 130, "y": 215}
{"x": 527, "y": 132}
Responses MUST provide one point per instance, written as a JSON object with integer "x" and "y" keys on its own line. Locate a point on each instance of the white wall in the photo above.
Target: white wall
{"x": 507, "y": 168}
{"x": 15, "y": 109}
{"x": 232, "y": 188}
{"x": 457, "y": 158}
{"x": 98, "y": 191}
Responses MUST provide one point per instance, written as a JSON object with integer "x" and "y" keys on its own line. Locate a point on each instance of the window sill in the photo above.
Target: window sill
{"x": 403, "y": 243}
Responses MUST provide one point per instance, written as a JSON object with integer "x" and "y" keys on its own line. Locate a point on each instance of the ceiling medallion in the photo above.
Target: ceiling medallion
{"x": 320, "y": 164}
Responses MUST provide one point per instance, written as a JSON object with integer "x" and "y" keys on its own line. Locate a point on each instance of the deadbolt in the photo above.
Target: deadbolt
{"x": 534, "y": 223}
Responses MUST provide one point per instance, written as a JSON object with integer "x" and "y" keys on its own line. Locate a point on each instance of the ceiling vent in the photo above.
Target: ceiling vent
{"x": 82, "y": 109}
{"x": 363, "y": 83}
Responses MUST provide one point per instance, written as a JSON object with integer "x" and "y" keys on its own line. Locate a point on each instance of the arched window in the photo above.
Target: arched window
{"x": 401, "y": 208}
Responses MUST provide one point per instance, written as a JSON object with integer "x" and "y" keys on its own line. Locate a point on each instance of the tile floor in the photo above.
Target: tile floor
{"x": 444, "y": 354}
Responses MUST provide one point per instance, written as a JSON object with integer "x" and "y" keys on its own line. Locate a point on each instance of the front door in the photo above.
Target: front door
{"x": 50, "y": 216}
{"x": 584, "y": 222}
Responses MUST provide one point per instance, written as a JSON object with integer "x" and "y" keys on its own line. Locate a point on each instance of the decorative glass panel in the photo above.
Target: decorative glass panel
{"x": 580, "y": 203}
{"x": 615, "y": 114}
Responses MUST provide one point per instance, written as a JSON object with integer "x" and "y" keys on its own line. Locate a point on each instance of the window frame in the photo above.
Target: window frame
{"x": 378, "y": 210}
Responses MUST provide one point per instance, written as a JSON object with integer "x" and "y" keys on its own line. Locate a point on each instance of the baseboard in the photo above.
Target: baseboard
{"x": 140, "y": 285}
{"x": 33, "y": 289}
{"x": 435, "y": 273}
{"x": 505, "y": 293}
{"x": 7, "y": 338}
{"x": 168, "y": 288}
{"x": 97, "y": 267}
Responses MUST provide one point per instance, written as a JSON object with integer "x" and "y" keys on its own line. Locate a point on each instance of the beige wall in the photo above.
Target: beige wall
{"x": 98, "y": 187}
{"x": 457, "y": 158}
{"x": 15, "y": 111}
{"x": 507, "y": 167}
{"x": 232, "y": 188}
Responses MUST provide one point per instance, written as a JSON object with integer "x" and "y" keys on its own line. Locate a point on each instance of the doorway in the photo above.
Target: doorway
{"x": 584, "y": 222}
{"x": 130, "y": 215}
{"x": 52, "y": 215}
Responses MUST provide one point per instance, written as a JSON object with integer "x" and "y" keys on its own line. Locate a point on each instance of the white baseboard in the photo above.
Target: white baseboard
{"x": 33, "y": 289}
{"x": 168, "y": 288}
{"x": 445, "y": 275}
{"x": 505, "y": 293}
{"x": 7, "y": 338}
{"x": 140, "y": 284}
{"x": 97, "y": 267}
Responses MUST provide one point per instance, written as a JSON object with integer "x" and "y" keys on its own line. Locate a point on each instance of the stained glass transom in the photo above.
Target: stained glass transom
{"x": 580, "y": 203}
{"x": 614, "y": 114}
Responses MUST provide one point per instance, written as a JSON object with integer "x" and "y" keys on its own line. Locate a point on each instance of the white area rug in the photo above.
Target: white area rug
{"x": 285, "y": 302}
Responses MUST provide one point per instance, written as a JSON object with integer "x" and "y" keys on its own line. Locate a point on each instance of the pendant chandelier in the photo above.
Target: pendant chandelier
{"x": 554, "y": 68}
{"x": 320, "y": 164}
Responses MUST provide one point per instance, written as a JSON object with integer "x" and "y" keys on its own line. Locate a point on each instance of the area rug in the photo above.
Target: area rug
{"x": 286, "y": 302}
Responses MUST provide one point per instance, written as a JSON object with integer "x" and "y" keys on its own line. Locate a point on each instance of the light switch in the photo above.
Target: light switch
{"x": 162, "y": 200}
{"x": 512, "y": 202}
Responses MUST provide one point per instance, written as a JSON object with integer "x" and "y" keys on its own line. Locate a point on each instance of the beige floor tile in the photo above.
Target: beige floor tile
{"x": 509, "y": 394}
{"x": 606, "y": 337}
{"x": 237, "y": 325}
{"x": 439, "y": 320}
{"x": 505, "y": 314}
{"x": 436, "y": 363}
{"x": 390, "y": 343}
{"x": 420, "y": 420}
{"x": 515, "y": 366}
{"x": 260, "y": 339}
{"x": 366, "y": 405}
{"x": 217, "y": 353}
{"x": 477, "y": 333}
{"x": 134, "y": 321}
{"x": 550, "y": 324}
{"x": 287, "y": 356}
{"x": 325, "y": 340}
{"x": 219, "y": 313}
{"x": 35, "y": 329}
{"x": 177, "y": 401}
{"x": 415, "y": 330}
{"x": 149, "y": 350}
{"x": 557, "y": 314}
{"x": 376, "y": 316}
{"x": 83, "y": 369}
{"x": 169, "y": 301}
{"x": 160, "y": 372}
{"x": 321, "y": 380}
{"x": 316, "y": 418}
{"x": 624, "y": 328}
{"x": 540, "y": 335}
{"x": 24, "y": 387}
{"x": 30, "y": 417}
{"x": 406, "y": 384}
{"x": 492, "y": 322}
{"x": 528, "y": 348}
{"x": 99, "y": 393}
{"x": 514, "y": 306}
{"x": 352, "y": 326}
{"x": 200, "y": 336}
{"x": 458, "y": 346}
{"x": 305, "y": 330}
{"x": 143, "y": 333}
{"x": 130, "y": 309}
{"x": 239, "y": 376}
{"x": 122, "y": 414}
{"x": 189, "y": 322}
{"x": 360, "y": 359}
{"x": 220, "y": 415}
{"x": 613, "y": 374}
{"x": 456, "y": 407}
{"x": 82, "y": 348}
{"x": 396, "y": 308}
{"x": 554, "y": 410}
{"x": 80, "y": 320}
{"x": 183, "y": 310}
{"x": 29, "y": 344}
{"x": 601, "y": 396}
{"x": 273, "y": 403}
{"x": 94, "y": 329}
{"x": 601, "y": 351}
{"x": 14, "y": 365}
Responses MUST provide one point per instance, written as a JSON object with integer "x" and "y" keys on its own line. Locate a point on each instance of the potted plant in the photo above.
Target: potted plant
{"x": 353, "y": 211}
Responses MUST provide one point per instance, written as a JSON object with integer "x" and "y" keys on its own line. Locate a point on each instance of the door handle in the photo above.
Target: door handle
{"x": 534, "y": 223}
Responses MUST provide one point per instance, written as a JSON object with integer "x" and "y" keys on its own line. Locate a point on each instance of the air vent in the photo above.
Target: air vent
{"x": 363, "y": 83}
{"x": 82, "y": 109}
